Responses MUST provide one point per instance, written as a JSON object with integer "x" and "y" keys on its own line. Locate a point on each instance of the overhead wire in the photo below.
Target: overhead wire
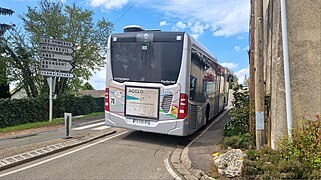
{"x": 129, "y": 8}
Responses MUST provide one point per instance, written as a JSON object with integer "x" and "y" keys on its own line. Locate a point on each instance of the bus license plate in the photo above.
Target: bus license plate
{"x": 139, "y": 121}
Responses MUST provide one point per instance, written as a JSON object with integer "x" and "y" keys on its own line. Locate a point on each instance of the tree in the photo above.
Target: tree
{"x": 87, "y": 86}
{"x": 4, "y": 84}
{"x": 74, "y": 24}
{"x": 21, "y": 62}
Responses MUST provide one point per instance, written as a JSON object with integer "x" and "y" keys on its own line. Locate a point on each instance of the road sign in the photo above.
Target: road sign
{"x": 55, "y": 65}
{"x": 56, "y": 42}
{"x": 57, "y": 74}
{"x": 56, "y": 49}
{"x": 49, "y": 55}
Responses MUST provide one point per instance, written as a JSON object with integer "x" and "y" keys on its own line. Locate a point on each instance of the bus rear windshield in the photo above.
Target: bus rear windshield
{"x": 155, "y": 62}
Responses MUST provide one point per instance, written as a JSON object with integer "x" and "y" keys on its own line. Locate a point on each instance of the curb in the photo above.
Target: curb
{"x": 35, "y": 134}
{"x": 18, "y": 159}
{"x": 181, "y": 162}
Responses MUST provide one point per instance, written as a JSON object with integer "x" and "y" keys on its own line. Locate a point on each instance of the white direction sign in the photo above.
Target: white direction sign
{"x": 49, "y": 55}
{"x": 56, "y": 49}
{"x": 57, "y": 74}
{"x": 56, "y": 42}
{"x": 55, "y": 65}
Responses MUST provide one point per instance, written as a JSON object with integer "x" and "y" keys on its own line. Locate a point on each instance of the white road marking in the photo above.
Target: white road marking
{"x": 61, "y": 155}
{"x": 170, "y": 170}
{"x": 88, "y": 126}
{"x": 101, "y": 128}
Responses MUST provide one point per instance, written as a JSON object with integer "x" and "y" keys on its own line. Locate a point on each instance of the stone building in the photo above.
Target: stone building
{"x": 304, "y": 47}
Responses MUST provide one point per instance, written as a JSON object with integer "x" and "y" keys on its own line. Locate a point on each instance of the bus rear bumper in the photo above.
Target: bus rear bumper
{"x": 171, "y": 127}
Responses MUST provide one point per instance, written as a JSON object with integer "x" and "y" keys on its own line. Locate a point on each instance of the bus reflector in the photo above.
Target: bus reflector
{"x": 183, "y": 106}
{"x": 107, "y": 107}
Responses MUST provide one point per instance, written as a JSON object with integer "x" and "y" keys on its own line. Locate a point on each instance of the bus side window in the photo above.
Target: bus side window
{"x": 192, "y": 87}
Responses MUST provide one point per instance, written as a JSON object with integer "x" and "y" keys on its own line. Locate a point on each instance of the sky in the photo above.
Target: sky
{"x": 220, "y": 25}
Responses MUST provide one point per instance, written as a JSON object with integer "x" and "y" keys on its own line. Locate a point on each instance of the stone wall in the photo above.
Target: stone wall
{"x": 304, "y": 39}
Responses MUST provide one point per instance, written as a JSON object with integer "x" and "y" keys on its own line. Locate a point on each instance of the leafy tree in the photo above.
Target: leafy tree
{"x": 69, "y": 23}
{"x": 4, "y": 84}
{"x": 74, "y": 24}
{"x": 4, "y": 27}
{"x": 22, "y": 65}
{"x": 87, "y": 86}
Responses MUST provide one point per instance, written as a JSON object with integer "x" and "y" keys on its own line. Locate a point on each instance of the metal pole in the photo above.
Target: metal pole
{"x": 287, "y": 79}
{"x": 50, "y": 99}
{"x": 259, "y": 76}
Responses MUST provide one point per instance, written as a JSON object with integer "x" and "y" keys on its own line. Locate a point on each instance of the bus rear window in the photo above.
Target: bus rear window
{"x": 155, "y": 62}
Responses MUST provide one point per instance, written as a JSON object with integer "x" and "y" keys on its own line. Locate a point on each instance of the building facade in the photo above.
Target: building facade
{"x": 304, "y": 47}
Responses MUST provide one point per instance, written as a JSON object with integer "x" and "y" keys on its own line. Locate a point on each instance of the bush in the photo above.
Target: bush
{"x": 305, "y": 144}
{"x": 296, "y": 159}
{"x": 242, "y": 141}
{"x": 22, "y": 111}
{"x": 239, "y": 123}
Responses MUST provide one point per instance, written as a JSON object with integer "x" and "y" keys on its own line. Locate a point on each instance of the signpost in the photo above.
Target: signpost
{"x": 56, "y": 61}
{"x": 56, "y": 65}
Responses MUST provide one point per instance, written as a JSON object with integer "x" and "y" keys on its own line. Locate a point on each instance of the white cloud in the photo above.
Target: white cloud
{"x": 237, "y": 48}
{"x": 224, "y": 18}
{"x": 229, "y": 65}
{"x": 109, "y": 4}
{"x": 195, "y": 36}
{"x": 162, "y": 23}
{"x": 199, "y": 28}
{"x": 241, "y": 75}
{"x": 239, "y": 37}
{"x": 246, "y": 48}
{"x": 98, "y": 80}
{"x": 179, "y": 26}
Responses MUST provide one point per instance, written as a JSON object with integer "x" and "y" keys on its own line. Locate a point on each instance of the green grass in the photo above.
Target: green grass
{"x": 47, "y": 123}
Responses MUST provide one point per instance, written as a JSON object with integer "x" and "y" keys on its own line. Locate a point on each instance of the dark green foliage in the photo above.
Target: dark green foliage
{"x": 22, "y": 111}
{"x": 242, "y": 141}
{"x": 271, "y": 164}
{"x": 235, "y": 127}
{"x": 239, "y": 123}
{"x": 101, "y": 104}
{"x": 74, "y": 105}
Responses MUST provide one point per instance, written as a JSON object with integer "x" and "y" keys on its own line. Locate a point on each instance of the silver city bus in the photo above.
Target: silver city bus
{"x": 162, "y": 82}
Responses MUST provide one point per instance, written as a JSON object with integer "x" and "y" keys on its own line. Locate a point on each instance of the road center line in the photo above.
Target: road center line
{"x": 61, "y": 155}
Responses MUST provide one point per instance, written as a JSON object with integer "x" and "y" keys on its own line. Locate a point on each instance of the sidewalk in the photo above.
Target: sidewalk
{"x": 195, "y": 160}
{"x": 16, "y": 150}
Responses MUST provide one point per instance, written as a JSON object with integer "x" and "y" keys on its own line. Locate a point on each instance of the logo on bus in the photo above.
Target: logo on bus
{"x": 137, "y": 91}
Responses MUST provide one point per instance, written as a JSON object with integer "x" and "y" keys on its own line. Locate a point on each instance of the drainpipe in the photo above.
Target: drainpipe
{"x": 286, "y": 69}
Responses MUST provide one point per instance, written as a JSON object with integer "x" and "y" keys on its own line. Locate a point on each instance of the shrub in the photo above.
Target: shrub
{"x": 22, "y": 111}
{"x": 242, "y": 141}
{"x": 305, "y": 144}
{"x": 296, "y": 159}
{"x": 239, "y": 115}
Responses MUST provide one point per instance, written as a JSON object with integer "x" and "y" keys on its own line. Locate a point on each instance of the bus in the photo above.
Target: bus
{"x": 162, "y": 82}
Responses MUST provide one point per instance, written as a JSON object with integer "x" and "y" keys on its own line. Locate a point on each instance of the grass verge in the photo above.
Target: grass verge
{"x": 47, "y": 123}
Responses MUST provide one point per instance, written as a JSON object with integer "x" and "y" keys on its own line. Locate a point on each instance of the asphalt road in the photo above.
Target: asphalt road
{"x": 123, "y": 155}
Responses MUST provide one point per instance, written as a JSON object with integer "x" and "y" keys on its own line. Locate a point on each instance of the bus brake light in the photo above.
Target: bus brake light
{"x": 183, "y": 106}
{"x": 107, "y": 107}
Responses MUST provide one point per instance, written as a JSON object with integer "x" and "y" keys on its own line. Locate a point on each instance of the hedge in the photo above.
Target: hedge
{"x": 22, "y": 111}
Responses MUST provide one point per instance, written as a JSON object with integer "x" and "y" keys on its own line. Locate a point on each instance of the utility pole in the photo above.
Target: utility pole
{"x": 259, "y": 76}
{"x": 251, "y": 59}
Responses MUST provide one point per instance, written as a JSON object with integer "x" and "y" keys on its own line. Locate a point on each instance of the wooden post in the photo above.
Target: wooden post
{"x": 259, "y": 75}
{"x": 252, "y": 75}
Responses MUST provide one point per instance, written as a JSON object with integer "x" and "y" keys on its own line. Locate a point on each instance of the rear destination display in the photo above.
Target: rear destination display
{"x": 142, "y": 102}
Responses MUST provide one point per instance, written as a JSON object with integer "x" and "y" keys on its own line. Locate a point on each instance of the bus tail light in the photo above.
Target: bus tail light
{"x": 183, "y": 106}
{"x": 107, "y": 107}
